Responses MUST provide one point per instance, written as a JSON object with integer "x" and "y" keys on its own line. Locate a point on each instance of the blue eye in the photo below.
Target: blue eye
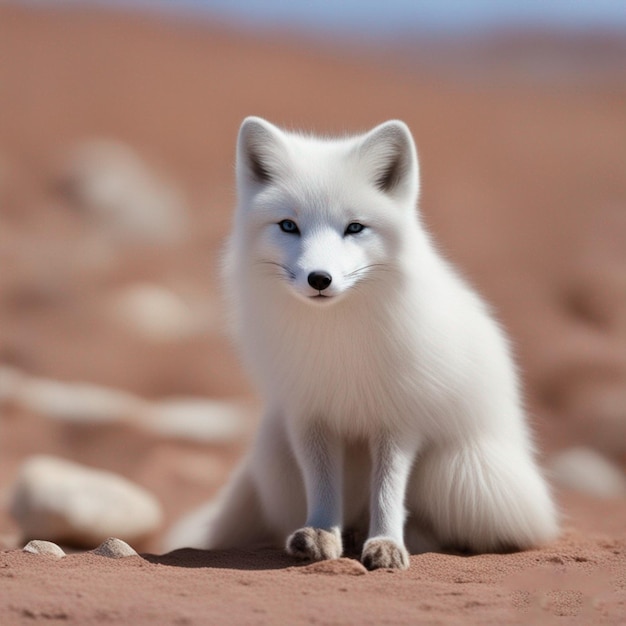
{"x": 354, "y": 228}
{"x": 289, "y": 226}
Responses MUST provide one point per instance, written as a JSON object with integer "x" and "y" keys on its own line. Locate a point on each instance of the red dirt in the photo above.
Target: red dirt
{"x": 524, "y": 186}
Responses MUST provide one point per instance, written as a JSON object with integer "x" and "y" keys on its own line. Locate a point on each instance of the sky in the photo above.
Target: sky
{"x": 385, "y": 17}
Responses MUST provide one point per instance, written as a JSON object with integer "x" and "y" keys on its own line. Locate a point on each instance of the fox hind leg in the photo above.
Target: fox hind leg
{"x": 238, "y": 519}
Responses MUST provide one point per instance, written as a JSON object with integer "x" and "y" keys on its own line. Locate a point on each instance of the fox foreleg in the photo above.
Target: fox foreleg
{"x": 321, "y": 461}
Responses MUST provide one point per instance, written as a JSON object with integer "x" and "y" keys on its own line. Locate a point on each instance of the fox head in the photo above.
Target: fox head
{"x": 322, "y": 217}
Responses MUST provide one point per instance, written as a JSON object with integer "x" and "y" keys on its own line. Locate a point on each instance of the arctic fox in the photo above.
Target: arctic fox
{"x": 393, "y": 407}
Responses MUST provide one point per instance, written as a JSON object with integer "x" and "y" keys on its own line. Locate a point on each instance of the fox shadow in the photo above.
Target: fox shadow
{"x": 236, "y": 558}
{"x": 262, "y": 557}
{"x": 256, "y": 557}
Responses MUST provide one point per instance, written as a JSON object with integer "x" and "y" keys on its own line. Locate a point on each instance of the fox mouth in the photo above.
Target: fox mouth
{"x": 322, "y": 299}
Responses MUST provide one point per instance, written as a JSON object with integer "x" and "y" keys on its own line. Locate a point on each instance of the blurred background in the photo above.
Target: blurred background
{"x": 118, "y": 123}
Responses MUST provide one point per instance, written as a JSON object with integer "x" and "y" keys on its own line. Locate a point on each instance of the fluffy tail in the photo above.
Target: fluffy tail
{"x": 484, "y": 497}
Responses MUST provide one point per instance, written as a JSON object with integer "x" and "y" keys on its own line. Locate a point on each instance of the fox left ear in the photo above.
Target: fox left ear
{"x": 389, "y": 154}
{"x": 261, "y": 152}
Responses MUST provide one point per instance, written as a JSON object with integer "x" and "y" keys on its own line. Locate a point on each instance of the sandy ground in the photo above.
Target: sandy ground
{"x": 523, "y": 186}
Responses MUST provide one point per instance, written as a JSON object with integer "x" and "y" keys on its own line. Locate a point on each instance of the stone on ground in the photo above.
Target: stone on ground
{"x": 114, "y": 548}
{"x": 588, "y": 471}
{"x": 67, "y": 503}
{"x": 45, "y": 548}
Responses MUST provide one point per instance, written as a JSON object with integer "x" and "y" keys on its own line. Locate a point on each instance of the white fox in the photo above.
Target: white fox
{"x": 392, "y": 403}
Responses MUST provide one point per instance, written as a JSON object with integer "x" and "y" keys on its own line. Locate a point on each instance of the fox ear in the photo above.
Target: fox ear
{"x": 260, "y": 151}
{"x": 390, "y": 158}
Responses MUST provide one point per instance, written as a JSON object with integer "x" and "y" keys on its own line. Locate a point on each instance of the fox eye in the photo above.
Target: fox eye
{"x": 289, "y": 226}
{"x": 353, "y": 228}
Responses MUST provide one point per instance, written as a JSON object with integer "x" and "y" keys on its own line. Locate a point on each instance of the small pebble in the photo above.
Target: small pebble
{"x": 113, "y": 548}
{"x": 45, "y": 548}
{"x": 154, "y": 312}
{"x": 195, "y": 419}
{"x": 121, "y": 195}
{"x": 77, "y": 402}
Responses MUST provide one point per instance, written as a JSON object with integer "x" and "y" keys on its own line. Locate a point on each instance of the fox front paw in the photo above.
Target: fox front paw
{"x": 315, "y": 544}
{"x": 380, "y": 552}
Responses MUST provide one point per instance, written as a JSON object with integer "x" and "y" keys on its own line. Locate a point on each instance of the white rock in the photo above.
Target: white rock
{"x": 196, "y": 419}
{"x": 122, "y": 195}
{"x": 81, "y": 402}
{"x": 585, "y": 470}
{"x": 114, "y": 548}
{"x": 45, "y": 548}
{"x": 57, "y": 500}
{"x": 154, "y": 312}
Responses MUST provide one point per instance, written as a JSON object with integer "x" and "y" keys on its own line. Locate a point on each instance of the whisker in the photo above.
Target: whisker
{"x": 361, "y": 270}
{"x": 285, "y": 270}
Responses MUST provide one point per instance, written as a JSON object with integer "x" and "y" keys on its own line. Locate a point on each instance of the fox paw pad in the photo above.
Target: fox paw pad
{"x": 314, "y": 544}
{"x": 384, "y": 553}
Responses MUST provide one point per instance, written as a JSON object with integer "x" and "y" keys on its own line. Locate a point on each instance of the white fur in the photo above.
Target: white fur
{"x": 392, "y": 405}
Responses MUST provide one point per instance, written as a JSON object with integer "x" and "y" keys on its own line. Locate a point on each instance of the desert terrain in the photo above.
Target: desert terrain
{"x": 117, "y": 138}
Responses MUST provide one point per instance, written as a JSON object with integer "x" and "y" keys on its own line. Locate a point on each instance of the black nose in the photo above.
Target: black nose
{"x": 320, "y": 280}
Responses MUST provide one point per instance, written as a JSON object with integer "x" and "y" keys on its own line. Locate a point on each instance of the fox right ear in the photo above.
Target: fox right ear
{"x": 260, "y": 151}
{"x": 389, "y": 156}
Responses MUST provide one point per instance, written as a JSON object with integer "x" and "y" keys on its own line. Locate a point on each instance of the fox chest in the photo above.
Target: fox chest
{"x": 358, "y": 381}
